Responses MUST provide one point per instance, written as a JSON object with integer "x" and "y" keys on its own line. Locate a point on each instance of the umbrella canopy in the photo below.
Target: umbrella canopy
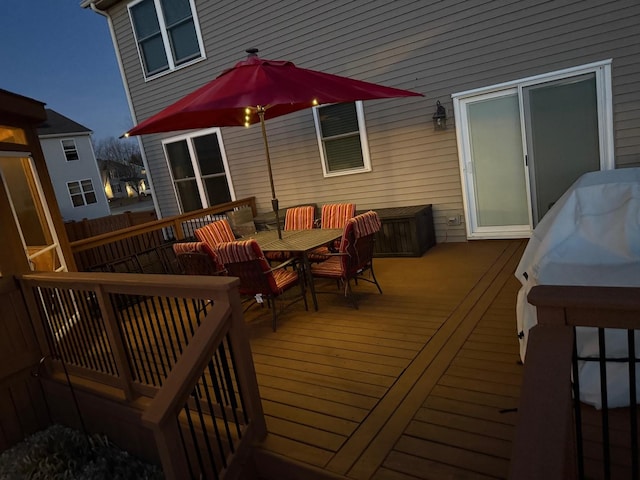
{"x": 255, "y": 90}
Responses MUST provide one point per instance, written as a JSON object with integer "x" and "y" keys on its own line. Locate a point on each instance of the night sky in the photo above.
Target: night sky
{"x": 58, "y": 53}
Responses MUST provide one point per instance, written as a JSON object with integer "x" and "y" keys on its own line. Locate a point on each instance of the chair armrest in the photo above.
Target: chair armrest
{"x": 282, "y": 265}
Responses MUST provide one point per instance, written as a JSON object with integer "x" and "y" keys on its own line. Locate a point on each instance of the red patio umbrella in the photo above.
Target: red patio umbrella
{"x": 255, "y": 90}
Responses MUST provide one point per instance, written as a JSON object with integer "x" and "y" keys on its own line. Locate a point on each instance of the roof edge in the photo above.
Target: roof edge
{"x": 98, "y": 5}
{"x": 66, "y": 134}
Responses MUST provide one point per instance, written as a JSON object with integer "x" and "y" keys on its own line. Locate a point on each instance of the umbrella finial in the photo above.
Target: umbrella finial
{"x": 253, "y": 52}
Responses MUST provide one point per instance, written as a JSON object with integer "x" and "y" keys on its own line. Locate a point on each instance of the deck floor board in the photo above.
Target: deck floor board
{"x": 423, "y": 378}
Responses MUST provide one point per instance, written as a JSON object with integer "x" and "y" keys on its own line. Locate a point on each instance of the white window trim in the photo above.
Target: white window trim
{"x": 364, "y": 143}
{"x": 196, "y": 168}
{"x": 165, "y": 40}
{"x": 82, "y": 192}
{"x": 75, "y": 147}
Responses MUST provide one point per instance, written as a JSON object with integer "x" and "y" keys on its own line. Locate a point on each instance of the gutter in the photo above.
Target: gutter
{"x": 92, "y": 4}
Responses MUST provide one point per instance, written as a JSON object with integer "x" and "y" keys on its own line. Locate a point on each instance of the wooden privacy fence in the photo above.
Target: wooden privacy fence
{"x": 90, "y": 227}
{"x": 557, "y": 436}
{"x": 179, "y": 341}
{"x": 150, "y": 238}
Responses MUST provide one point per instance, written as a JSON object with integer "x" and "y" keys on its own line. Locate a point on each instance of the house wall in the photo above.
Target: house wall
{"x": 436, "y": 48}
{"x": 63, "y": 171}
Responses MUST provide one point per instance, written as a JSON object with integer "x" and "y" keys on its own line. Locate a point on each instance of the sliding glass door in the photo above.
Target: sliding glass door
{"x": 561, "y": 118}
{"x": 522, "y": 145}
{"x": 497, "y": 178}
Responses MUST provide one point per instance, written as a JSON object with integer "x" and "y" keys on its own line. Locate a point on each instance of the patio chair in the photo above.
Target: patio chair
{"x": 215, "y": 233}
{"x": 169, "y": 259}
{"x": 244, "y": 259}
{"x": 197, "y": 258}
{"x": 296, "y": 218}
{"x": 241, "y": 221}
{"x": 333, "y": 215}
{"x": 354, "y": 257}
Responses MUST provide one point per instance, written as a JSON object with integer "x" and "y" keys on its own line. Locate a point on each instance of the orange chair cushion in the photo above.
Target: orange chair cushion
{"x": 335, "y": 215}
{"x": 197, "y": 247}
{"x": 284, "y": 279}
{"x": 215, "y": 233}
{"x": 299, "y": 218}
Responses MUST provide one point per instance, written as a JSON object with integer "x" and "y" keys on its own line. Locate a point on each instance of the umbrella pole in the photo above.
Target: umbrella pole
{"x": 274, "y": 200}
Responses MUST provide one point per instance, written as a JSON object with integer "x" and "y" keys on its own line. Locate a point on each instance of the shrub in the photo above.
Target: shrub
{"x": 61, "y": 453}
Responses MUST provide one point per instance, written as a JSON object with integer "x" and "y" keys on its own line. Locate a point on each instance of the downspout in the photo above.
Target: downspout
{"x": 92, "y": 5}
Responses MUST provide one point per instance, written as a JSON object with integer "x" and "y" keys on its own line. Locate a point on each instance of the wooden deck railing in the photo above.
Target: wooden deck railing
{"x": 91, "y": 253}
{"x": 179, "y": 341}
{"x": 548, "y": 442}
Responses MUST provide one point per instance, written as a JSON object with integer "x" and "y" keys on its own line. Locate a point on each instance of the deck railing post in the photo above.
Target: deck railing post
{"x": 115, "y": 340}
{"x": 546, "y": 443}
{"x": 543, "y": 447}
{"x": 170, "y": 449}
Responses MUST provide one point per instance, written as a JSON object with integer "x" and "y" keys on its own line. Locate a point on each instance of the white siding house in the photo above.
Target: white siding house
{"x": 73, "y": 168}
{"x": 535, "y": 93}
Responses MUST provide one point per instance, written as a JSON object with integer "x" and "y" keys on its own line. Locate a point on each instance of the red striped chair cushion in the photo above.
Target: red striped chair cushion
{"x": 331, "y": 268}
{"x": 335, "y": 215}
{"x": 299, "y": 218}
{"x": 190, "y": 247}
{"x": 239, "y": 251}
{"x": 366, "y": 224}
{"x": 249, "y": 251}
{"x": 198, "y": 247}
{"x": 284, "y": 279}
{"x": 215, "y": 233}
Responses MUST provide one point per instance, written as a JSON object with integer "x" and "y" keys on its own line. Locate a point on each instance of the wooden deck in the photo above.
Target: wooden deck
{"x": 420, "y": 382}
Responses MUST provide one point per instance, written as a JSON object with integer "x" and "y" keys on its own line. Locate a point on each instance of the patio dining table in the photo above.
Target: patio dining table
{"x": 299, "y": 243}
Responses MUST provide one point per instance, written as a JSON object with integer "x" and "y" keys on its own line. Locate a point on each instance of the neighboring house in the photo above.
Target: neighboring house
{"x": 72, "y": 167}
{"x": 121, "y": 180}
{"x": 535, "y": 93}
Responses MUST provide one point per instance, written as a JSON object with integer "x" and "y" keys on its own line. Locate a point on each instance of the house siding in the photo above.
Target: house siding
{"x": 435, "y": 48}
{"x": 62, "y": 171}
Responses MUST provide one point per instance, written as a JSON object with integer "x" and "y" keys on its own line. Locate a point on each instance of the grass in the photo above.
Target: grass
{"x": 61, "y": 453}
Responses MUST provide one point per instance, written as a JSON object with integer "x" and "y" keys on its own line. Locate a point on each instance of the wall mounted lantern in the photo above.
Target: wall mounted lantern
{"x": 440, "y": 117}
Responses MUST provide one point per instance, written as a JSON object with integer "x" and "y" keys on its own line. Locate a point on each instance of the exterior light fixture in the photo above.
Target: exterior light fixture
{"x": 440, "y": 117}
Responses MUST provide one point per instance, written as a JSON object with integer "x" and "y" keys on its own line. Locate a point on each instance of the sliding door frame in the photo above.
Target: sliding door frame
{"x": 604, "y": 97}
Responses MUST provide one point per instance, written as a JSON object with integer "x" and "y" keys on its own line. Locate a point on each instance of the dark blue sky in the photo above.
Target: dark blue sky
{"x": 62, "y": 55}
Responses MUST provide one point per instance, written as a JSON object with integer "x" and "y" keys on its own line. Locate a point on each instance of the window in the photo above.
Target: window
{"x": 199, "y": 169}
{"x": 167, "y": 34}
{"x": 70, "y": 150}
{"x": 82, "y": 193}
{"x": 342, "y": 139}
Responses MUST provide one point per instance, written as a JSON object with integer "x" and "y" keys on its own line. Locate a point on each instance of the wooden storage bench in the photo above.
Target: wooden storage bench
{"x": 405, "y": 232}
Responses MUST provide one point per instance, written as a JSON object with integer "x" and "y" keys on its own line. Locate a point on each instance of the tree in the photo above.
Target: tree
{"x": 118, "y": 150}
{"x": 126, "y": 154}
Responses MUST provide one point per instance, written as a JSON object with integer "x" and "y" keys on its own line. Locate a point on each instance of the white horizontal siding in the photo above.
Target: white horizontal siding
{"x": 435, "y": 47}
